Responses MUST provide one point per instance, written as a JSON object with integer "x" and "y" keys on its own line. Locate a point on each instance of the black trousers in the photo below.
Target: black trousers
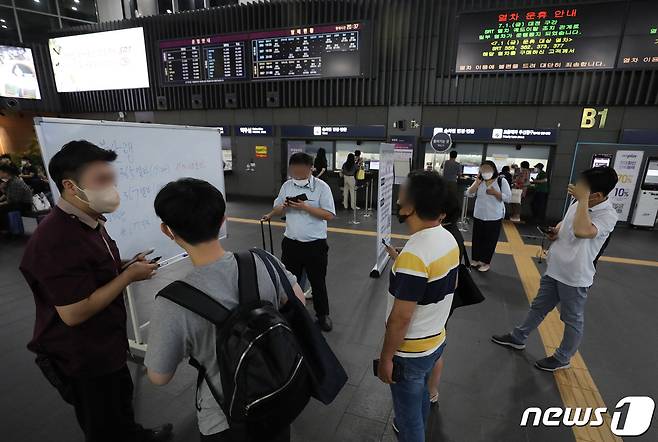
{"x": 485, "y": 238}
{"x": 311, "y": 256}
{"x": 229, "y": 436}
{"x": 539, "y": 201}
{"x": 104, "y": 409}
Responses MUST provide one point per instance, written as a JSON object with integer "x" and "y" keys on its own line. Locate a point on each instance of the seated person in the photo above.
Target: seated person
{"x": 17, "y": 196}
{"x": 192, "y": 212}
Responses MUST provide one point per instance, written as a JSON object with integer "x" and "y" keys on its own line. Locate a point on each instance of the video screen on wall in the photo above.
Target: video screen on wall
{"x": 540, "y": 39}
{"x": 310, "y": 52}
{"x": 100, "y": 61}
{"x": 639, "y": 48}
{"x": 18, "y": 77}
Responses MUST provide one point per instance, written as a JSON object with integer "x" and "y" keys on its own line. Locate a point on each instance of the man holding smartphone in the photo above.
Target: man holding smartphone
{"x": 77, "y": 277}
{"x": 308, "y": 204}
{"x": 578, "y": 241}
{"x": 422, "y": 285}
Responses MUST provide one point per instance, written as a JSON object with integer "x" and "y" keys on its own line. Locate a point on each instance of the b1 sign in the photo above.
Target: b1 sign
{"x": 627, "y": 165}
{"x": 100, "y": 61}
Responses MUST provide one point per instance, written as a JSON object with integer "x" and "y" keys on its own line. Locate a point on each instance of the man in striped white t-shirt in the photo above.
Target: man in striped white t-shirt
{"x": 422, "y": 285}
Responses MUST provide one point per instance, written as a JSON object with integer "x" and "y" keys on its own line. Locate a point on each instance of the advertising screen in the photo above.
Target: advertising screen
{"x": 18, "y": 77}
{"x": 543, "y": 38}
{"x": 100, "y": 61}
{"x": 639, "y": 48}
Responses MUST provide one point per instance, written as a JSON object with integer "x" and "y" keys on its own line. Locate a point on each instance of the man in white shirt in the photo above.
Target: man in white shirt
{"x": 308, "y": 204}
{"x": 578, "y": 242}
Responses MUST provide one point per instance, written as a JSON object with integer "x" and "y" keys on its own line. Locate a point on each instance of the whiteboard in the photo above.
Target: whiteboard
{"x": 149, "y": 156}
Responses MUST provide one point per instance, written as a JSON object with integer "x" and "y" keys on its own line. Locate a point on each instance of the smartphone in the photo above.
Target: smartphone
{"x": 398, "y": 370}
{"x": 134, "y": 260}
{"x": 298, "y": 198}
{"x": 546, "y": 230}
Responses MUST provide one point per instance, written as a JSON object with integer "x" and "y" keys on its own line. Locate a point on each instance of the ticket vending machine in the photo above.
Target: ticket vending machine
{"x": 646, "y": 204}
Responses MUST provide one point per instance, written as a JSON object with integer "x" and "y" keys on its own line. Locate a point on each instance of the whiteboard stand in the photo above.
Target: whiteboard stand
{"x": 137, "y": 343}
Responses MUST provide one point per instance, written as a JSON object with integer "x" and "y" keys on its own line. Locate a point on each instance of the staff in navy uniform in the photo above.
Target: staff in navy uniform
{"x": 77, "y": 277}
{"x": 308, "y": 204}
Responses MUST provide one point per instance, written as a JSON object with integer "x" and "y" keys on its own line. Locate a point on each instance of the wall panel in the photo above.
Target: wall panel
{"x": 414, "y": 47}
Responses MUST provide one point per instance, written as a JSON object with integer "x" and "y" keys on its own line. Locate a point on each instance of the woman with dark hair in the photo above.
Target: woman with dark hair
{"x": 320, "y": 163}
{"x": 349, "y": 181}
{"x": 492, "y": 192}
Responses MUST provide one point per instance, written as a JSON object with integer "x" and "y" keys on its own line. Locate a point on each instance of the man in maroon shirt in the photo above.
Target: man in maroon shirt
{"x": 77, "y": 277}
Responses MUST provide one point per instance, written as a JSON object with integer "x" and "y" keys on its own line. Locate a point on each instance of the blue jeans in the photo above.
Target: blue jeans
{"x": 411, "y": 398}
{"x": 572, "y": 312}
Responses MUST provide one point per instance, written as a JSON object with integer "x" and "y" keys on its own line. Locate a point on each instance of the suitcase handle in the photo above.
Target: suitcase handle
{"x": 262, "y": 234}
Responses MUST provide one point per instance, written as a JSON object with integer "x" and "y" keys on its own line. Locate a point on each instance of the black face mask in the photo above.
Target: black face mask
{"x": 401, "y": 218}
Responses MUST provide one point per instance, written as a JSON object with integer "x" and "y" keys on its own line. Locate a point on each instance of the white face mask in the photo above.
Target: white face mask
{"x": 487, "y": 175}
{"x": 101, "y": 201}
{"x": 301, "y": 183}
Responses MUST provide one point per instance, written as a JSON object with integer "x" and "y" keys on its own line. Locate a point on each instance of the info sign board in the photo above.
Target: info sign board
{"x": 384, "y": 205}
{"x": 627, "y": 165}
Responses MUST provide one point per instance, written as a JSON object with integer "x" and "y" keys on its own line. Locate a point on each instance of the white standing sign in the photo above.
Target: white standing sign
{"x": 627, "y": 165}
{"x": 384, "y": 205}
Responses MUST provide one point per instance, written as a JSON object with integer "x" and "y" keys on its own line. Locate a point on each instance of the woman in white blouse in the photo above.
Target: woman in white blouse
{"x": 492, "y": 192}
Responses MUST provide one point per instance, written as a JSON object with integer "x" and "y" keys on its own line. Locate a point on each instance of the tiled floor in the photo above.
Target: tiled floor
{"x": 484, "y": 389}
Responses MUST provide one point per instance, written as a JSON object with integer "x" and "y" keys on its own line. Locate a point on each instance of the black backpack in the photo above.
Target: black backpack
{"x": 264, "y": 375}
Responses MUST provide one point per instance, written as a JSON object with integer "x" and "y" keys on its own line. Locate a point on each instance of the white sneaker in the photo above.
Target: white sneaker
{"x": 484, "y": 268}
{"x": 476, "y": 263}
{"x": 308, "y": 294}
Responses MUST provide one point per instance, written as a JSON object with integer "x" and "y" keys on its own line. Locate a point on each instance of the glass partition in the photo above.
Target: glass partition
{"x": 468, "y": 154}
{"x": 506, "y": 155}
{"x": 369, "y": 151}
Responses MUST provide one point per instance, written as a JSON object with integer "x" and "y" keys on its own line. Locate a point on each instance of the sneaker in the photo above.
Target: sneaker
{"x": 508, "y": 340}
{"x": 551, "y": 364}
{"x": 484, "y": 268}
{"x": 476, "y": 264}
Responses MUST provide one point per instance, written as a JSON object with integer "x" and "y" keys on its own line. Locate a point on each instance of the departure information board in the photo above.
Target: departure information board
{"x": 204, "y": 60}
{"x": 639, "y": 48}
{"x": 549, "y": 38}
{"x": 320, "y": 51}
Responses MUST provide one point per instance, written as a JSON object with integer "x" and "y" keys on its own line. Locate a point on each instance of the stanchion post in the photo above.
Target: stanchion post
{"x": 367, "y": 213}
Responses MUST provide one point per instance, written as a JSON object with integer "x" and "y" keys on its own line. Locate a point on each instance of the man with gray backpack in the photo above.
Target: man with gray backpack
{"x": 231, "y": 317}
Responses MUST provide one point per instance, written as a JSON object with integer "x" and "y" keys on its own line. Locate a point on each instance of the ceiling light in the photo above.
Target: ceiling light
{"x": 168, "y": 11}
{"x": 37, "y": 1}
{"x": 2, "y": 20}
{"x": 4, "y": 26}
{"x": 74, "y": 8}
{"x": 76, "y": 1}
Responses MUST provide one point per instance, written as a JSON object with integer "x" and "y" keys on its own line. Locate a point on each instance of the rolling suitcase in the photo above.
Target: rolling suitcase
{"x": 262, "y": 234}
{"x": 16, "y": 223}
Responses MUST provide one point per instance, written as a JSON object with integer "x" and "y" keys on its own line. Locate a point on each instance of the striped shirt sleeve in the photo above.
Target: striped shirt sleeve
{"x": 409, "y": 277}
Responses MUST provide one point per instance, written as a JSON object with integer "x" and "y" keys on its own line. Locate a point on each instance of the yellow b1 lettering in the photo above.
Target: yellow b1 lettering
{"x": 588, "y": 119}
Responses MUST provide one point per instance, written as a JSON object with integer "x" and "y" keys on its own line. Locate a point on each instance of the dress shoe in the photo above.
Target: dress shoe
{"x": 325, "y": 323}
{"x": 162, "y": 433}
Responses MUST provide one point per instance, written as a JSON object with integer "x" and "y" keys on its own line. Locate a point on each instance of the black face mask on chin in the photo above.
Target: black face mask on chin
{"x": 401, "y": 218}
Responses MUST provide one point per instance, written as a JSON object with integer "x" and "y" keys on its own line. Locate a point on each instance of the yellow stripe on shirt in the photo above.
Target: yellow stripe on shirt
{"x": 440, "y": 267}
{"x": 422, "y": 344}
{"x": 410, "y": 263}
